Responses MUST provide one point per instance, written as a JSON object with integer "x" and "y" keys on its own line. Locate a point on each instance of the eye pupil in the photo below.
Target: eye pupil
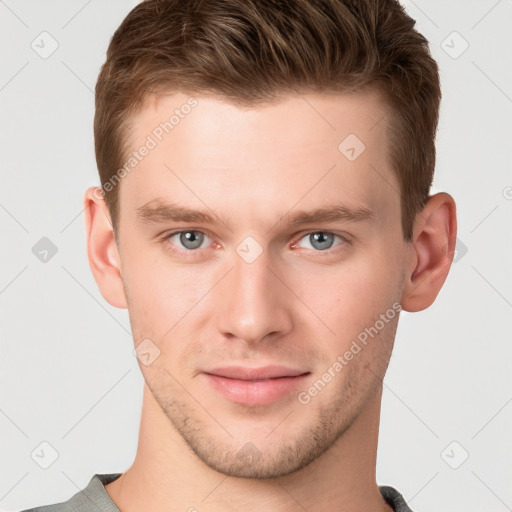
{"x": 321, "y": 240}
{"x": 191, "y": 239}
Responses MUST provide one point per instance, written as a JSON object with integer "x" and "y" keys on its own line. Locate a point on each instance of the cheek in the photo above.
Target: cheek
{"x": 159, "y": 292}
{"x": 350, "y": 297}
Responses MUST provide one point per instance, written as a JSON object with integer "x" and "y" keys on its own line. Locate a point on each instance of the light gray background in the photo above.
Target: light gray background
{"x": 67, "y": 371}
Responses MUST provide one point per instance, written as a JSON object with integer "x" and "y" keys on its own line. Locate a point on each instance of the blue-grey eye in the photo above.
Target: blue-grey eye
{"x": 321, "y": 240}
{"x": 190, "y": 239}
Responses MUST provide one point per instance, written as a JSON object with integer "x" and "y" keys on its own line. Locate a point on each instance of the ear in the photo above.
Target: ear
{"x": 431, "y": 252}
{"x": 102, "y": 250}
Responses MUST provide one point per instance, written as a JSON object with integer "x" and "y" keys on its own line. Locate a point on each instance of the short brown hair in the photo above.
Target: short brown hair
{"x": 251, "y": 51}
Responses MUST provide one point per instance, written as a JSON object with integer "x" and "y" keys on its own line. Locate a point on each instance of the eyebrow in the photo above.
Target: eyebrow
{"x": 158, "y": 211}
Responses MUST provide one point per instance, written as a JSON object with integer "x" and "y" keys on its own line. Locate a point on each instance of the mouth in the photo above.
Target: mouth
{"x": 255, "y": 386}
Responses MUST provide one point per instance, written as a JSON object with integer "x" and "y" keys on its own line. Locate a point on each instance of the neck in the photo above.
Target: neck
{"x": 166, "y": 475}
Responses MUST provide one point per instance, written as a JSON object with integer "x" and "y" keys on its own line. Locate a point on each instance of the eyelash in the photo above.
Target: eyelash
{"x": 191, "y": 253}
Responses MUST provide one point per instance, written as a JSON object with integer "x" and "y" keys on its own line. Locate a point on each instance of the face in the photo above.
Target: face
{"x": 262, "y": 260}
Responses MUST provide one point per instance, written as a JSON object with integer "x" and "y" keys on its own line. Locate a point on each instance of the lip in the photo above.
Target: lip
{"x": 261, "y": 373}
{"x": 255, "y": 386}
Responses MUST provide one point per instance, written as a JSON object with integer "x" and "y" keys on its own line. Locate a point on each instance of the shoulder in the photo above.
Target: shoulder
{"x": 394, "y": 499}
{"x": 57, "y": 507}
{"x": 93, "y": 498}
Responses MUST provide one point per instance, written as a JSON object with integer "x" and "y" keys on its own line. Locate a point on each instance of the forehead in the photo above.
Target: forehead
{"x": 311, "y": 149}
{"x": 288, "y": 119}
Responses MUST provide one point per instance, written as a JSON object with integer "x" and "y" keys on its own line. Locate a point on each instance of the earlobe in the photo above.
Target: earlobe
{"x": 102, "y": 250}
{"x": 431, "y": 252}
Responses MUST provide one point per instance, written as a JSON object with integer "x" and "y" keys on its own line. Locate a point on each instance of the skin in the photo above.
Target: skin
{"x": 295, "y": 305}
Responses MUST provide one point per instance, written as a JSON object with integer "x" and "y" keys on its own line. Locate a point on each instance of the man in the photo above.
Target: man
{"x": 264, "y": 216}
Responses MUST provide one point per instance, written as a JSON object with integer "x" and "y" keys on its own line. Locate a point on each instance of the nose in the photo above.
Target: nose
{"x": 252, "y": 302}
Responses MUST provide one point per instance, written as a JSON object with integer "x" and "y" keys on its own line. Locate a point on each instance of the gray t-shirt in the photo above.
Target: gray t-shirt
{"x": 94, "y": 498}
